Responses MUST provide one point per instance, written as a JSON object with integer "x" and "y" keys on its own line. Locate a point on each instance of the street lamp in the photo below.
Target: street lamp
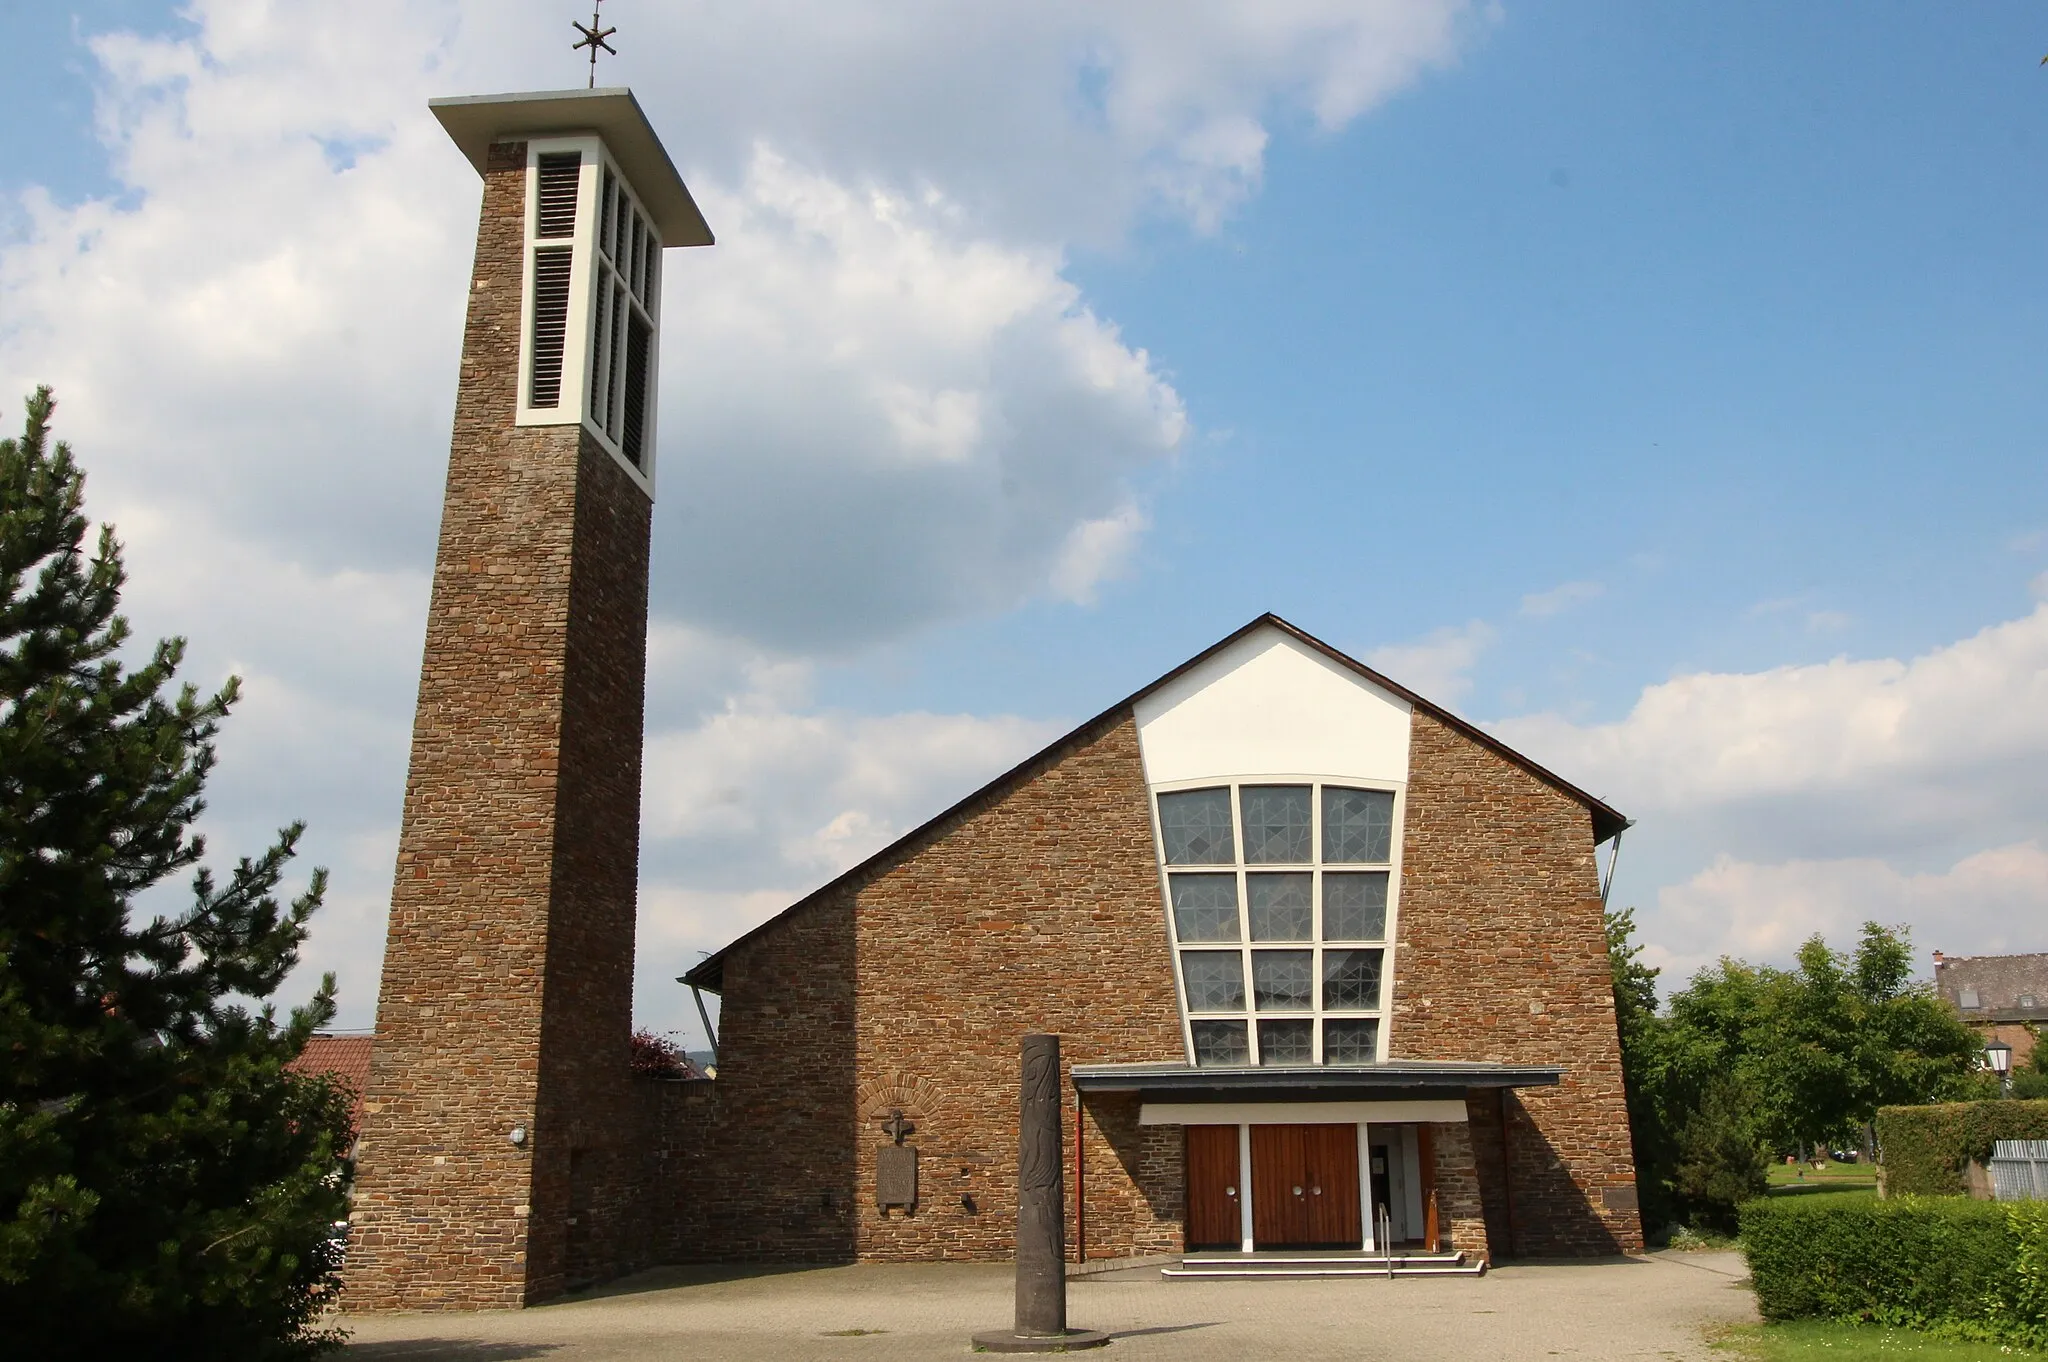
{"x": 2000, "y": 1055}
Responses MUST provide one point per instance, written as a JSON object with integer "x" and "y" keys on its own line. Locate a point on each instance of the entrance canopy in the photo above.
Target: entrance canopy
{"x": 1401, "y": 1090}
{"x": 1323, "y": 1157}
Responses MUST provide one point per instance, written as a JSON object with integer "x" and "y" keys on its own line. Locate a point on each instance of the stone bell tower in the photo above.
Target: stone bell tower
{"x": 499, "y": 1162}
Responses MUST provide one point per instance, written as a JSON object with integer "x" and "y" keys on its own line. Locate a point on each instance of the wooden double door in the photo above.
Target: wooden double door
{"x": 1304, "y": 1187}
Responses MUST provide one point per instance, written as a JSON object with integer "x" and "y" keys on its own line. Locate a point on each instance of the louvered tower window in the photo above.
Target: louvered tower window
{"x": 559, "y": 174}
{"x": 593, "y": 272}
{"x": 621, "y": 353}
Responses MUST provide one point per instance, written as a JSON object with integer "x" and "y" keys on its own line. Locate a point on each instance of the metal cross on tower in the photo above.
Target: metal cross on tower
{"x": 593, "y": 38}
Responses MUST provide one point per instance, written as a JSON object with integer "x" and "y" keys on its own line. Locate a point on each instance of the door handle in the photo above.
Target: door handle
{"x": 1317, "y": 1191}
{"x": 1230, "y": 1191}
{"x": 1297, "y": 1191}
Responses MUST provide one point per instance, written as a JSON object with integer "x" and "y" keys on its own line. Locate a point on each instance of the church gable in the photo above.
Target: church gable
{"x": 1268, "y": 704}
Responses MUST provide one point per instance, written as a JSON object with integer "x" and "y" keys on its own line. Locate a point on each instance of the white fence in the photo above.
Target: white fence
{"x": 2019, "y": 1170}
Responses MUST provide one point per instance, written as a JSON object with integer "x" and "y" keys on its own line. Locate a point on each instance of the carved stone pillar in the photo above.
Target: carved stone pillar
{"x": 1041, "y": 1194}
{"x": 1041, "y": 1323}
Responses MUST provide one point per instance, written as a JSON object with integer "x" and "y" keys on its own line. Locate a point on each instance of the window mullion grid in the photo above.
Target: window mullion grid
{"x": 601, "y": 350}
{"x": 615, "y": 354}
{"x": 1315, "y": 891}
{"x": 650, "y": 292}
{"x": 1244, "y": 926}
{"x": 1180, "y": 976}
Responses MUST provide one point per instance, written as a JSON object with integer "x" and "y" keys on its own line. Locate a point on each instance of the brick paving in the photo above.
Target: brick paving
{"x": 1660, "y": 1306}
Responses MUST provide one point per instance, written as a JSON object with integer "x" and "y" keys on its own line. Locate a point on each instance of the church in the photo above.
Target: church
{"x": 1327, "y": 962}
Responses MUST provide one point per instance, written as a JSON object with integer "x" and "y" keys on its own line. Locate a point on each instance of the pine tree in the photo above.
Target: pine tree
{"x": 166, "y": 1187}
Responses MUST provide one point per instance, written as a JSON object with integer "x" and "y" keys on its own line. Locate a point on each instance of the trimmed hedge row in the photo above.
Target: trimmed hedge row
{"x": 1973, "y": 1269}
{"x": 1925, "y": 1148}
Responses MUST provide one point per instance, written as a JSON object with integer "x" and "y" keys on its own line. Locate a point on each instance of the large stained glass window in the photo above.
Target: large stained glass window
{"x": 1358, "y": 825}
{"x": 1205, "y": 907}
{"x": 1287, "y": 1042}
{"x": 1215, "y": 980}
{"x": 1221, "y": 1043}
{"x": 1276, "y": 824}
{"x": 1195, "y": 826}
{"x": 1278, "y": 900}
{"x": 1282, "y": 906}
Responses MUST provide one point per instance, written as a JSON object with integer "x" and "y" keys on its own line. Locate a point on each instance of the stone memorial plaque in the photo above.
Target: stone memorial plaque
{"x": 896, "y": 1176}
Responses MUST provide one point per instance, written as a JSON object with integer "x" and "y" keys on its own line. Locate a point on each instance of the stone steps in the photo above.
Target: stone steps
{"x": 1241, "y": 1265}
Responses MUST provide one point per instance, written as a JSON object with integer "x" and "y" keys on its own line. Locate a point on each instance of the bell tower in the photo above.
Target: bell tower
{"x": 499, "y": 1162}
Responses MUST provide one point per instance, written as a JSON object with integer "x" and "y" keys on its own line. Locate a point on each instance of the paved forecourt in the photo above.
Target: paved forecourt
{"x": 1654, "y": 1307}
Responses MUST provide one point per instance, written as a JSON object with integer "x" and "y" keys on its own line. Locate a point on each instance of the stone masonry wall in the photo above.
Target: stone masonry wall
{"x": 1503, "y": 956}
{"x": 507, "y": 976}
{"x": 1461, "y": 1217}
{"x": 1039, "y": 911}
{"x": 588, "y": 1214}
{"x": 909, "y": 989}
{"x": 768, "y": 1174}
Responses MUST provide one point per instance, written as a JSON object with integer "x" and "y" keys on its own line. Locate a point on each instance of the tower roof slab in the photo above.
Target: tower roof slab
{"x": 476, "y": 121}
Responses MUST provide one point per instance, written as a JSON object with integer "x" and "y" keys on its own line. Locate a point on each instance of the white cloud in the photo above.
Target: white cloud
{"x": 1775, "y": 804}
{"x": 1557, "y": 600}
{"x": 1095, "y": 551}
{"x": 1816, "y": 621}
{"x": 886, "y": 403}
{"x": 797, "y": 796}
{"x": 1437, "y": 667}
{"x": 902, "y": 408}
{"x": 1048, "y": 118}
{"x": 1827, "y": 621}
{"x": 1990, "y": 902}
{"x": 770, "y": 797}
{"x": 933, "y": 425}
{"x": 1877, "y": 751}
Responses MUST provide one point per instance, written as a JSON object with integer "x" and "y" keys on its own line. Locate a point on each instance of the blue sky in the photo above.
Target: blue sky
{"x": 1658, "y": 386}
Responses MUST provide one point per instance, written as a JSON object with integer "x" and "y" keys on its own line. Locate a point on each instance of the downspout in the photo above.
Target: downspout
{"x": 1080, "y": 1188}
{"x": 1507, "y": 1171}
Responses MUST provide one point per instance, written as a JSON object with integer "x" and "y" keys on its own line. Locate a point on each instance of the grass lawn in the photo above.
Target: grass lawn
{"x": 1799, "y": 1339}
{"x": 1837, "y": 1180}
{"x": 1834, "y": 1175}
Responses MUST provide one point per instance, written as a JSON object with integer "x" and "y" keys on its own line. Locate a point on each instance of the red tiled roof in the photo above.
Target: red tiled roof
{"x": 347, "y": 1059}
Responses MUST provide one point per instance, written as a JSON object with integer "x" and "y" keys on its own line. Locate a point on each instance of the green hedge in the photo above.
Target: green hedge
{"x": 1925, "y": 1148}
{"x": 1973, "y": 1269}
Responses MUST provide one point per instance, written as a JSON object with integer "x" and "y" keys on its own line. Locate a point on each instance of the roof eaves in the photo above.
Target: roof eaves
{"x": 709, "y": 973}
{"x": 1608, "y": 821}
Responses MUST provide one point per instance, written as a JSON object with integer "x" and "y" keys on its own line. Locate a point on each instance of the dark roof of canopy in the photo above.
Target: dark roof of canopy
{"x": 1399, "y": 1078}
{"x": 708, "y": 973}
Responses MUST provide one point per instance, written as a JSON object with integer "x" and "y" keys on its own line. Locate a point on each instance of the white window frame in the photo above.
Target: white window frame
{"x": 585, "y": 270}
{"x": 1317, "y": 1014}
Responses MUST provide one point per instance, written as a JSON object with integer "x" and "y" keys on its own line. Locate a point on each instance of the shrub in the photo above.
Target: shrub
{"x": 655, "y": 1056}
{"x": 1973, "y": 1269}
{"x": 1925, "y": 1148}
{"x": 1721, "y": 1159}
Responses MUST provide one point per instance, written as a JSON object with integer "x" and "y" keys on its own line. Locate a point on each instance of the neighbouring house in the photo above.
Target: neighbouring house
{"x": 2003, "y": 996}
{"x": 1318, "y": 952}
{"x": 344, "y": 1056}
